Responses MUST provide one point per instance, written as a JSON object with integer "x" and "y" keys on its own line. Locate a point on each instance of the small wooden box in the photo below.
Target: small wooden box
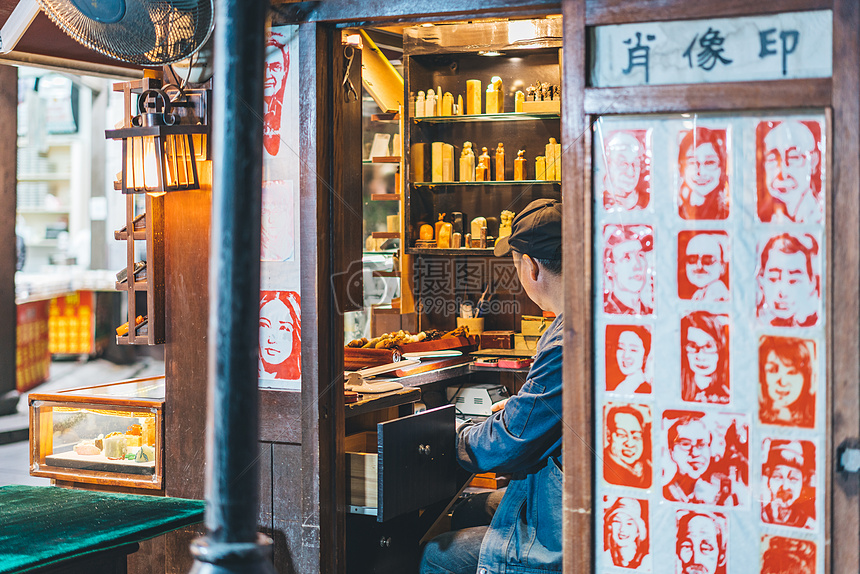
{"x": 534, "y": 325}
{"x": 497, "y": 340}
{"x": 525, "y": 342}
{"x": 362, "y": 462}
{"x": 542, "y": 107}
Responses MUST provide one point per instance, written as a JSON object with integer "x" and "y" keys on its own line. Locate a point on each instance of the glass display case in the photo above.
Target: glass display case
{"x": 107, "y": 434}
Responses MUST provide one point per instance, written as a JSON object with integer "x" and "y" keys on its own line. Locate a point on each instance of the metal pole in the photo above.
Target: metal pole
{"x": 232, "y": 543}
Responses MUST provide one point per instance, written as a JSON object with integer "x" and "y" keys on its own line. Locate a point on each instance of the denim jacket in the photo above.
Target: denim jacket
{"x": 524, "y": 440}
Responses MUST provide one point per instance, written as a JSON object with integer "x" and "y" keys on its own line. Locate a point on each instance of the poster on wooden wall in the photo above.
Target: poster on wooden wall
{"x": 280, "y": 270}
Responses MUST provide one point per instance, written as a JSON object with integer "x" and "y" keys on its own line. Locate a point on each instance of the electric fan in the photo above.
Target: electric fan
{"x": 143, "y": 32}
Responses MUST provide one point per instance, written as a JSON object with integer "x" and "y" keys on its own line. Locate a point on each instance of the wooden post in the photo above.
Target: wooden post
{"x": 8, "y": 251}
{"x": 232, "y": 543}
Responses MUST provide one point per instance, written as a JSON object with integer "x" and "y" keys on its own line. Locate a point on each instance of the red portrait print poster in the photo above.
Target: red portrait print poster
{"x": 626, "y": 533}
{"x": 628, "y": 359}
{"x": 788, "y": 381}
{"x": 701, "y": 542}
{"x": 788, "y": 279}
{"x": 788, "y": 483}
{"x": 703, "y": 185}
{"x": 705, "y": 358}
{"x": 627, "y": 165}
{"x": 705, "y": 458}
{"x": 274, "y": 86}
{"x": 789, "y": 156}
{"x": 703, "y": 266}
{"x": 628, "y": 270}
{"x": 781, "y": 555}
{"x": 627, "y": 445}
{"x": 280, "y": 335}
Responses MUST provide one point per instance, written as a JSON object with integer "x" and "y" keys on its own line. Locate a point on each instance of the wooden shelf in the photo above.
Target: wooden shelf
{"x": 139, "y": 235}
{"x": 385, "y": 234}
{"x": 509, "y": 182}
{"x": 385, "y": 159}
{"x": 449, "y": 252}
{"x": 385, "y": 197}
{"x": 388, "y": 117}
{"x": 385, "y": 309}
{"x": 386, "y": 273}
{"x": 507, "y": 117}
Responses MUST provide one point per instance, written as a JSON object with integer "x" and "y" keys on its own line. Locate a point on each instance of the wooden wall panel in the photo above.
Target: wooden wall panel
{"x": 814, "y": 93}
{"x": 623, "y": 11}
{"x": 844, "y": 311}
{"x": 577, "y": 371}
{"x": 8, "y": 252}
{"x": 288, "y": 526}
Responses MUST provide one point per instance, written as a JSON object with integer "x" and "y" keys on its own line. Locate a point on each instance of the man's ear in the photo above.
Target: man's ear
{"x": 531, "y": 266}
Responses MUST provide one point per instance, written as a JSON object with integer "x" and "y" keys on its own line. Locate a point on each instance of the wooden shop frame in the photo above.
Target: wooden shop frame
{"x": 303, "y": 431}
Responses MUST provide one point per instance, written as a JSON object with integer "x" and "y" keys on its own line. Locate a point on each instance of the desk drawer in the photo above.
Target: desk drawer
{"x": 414, "y": 464}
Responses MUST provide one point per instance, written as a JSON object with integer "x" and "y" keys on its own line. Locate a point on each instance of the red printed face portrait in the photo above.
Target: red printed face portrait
{"x": 781, "y": 555}
{"x": 280, "y": 335}
{"x": 788, "y": 477}
{"x": 703, "y": 266}
{"x": 703, "y": 189}
{"x": 705, "y": 358}
{"x": 788, "y": 381}
{"x": 705, "y": 458}
{"x": 626, "y": 540}
{"x": 628, "y": 269}
{"x": 788, "y": 280}
{"x": 274, "y": 84}
{"x": 627, "y": 161}
{"x": 789, "y": 157}
{"x": 627, "y": 445}
{"x": 628, "y": 359}
{"x": 701, "y": 542}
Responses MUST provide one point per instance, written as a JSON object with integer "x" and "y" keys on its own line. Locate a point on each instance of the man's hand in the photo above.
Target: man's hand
{"x": 498, "y": 406}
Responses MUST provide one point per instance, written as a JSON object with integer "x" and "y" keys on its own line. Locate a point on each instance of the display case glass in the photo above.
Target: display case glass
{"x": 107, "y": 434}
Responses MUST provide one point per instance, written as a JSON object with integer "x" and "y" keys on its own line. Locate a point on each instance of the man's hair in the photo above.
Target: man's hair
{"x": 553, "y": 266}
{"x": 789, "y": 245}
{"x": 624, "y": 409}
{"x": 672, "y": 433}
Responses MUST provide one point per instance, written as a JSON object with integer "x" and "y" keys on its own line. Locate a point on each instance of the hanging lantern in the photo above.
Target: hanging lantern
{"x": 159, "y": 152}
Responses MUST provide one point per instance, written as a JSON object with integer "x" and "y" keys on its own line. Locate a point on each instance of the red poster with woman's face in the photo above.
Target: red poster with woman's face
{"x": 280, "y": 335}
{"x": 788, "y": 381}
{"x": 628, "y": 359}
{"x": 703, "y": 191}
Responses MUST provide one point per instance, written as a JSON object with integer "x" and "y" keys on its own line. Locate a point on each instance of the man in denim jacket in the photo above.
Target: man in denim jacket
{"x": 523, "y": 438}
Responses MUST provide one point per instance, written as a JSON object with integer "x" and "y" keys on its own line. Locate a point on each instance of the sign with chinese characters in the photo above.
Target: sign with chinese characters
{"x": 775, "y": 47}
{"x": 710, "y": 346}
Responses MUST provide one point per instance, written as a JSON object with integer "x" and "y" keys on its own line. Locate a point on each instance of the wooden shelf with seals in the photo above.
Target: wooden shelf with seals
{"x": 385, "y": 197}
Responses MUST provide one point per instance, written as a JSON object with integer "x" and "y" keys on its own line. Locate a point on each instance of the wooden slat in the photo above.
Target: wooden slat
{"x": 779, "y": 94}
{"x": 598, "y": 12}
{"x": 844, "y": 310}
{"x": 578, "y": 520}
{"x": 8, "y": 253}
{"x": 281, "y": 415}
{"x": 286, "y": 11}
{"x": 322, "y": 480}
{"x": 385, "y": 197}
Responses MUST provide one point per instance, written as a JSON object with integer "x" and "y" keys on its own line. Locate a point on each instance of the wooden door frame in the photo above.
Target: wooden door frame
{"x": 841, "y": 94}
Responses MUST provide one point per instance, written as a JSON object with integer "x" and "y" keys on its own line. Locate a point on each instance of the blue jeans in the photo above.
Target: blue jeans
{"x": 457, "y": 551}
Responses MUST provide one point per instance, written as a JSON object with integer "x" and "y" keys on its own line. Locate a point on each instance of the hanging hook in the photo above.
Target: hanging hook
{"x": 349, "y": 54}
